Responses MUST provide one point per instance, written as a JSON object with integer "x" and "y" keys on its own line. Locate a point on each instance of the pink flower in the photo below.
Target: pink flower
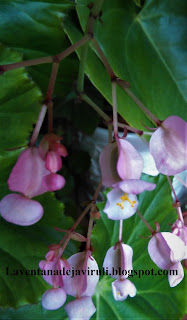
{"x": 53, "y": 274}
{"x": 121, "y": 168}
{"x": 82, "y": 283}
{"x": 51, "y": 150}
{"x": 29, "y": 177}
{"x": 54, "y": 263}
{"x": 167, "y": 250}
{"x": 168, "y": 146}
{"x": 118, "y": 261}
{"x": 122, "y": 202}
{"x": 118, "y": 258}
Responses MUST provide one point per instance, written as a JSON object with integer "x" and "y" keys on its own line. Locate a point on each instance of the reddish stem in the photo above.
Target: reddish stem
{"x": 49, "y": 59}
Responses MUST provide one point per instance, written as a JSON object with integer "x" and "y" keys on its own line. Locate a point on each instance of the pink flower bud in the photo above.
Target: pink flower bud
{"x": 20, "y": 210}
{"x": 180, "y": 230}
{"x": 53, "y": 299}
{"x": 82, "y": 308}
{"x": 53, "y": 161}
{"x": 122, "y": 288}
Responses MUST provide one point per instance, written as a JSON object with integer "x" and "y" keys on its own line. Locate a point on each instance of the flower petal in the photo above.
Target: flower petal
{"x": 134, "y": 186}
{"x": 122, "y": 288}
{"x": 165, "y": 249}
{"x": 82, "y": 309}
{"x": 53, "y": 181}
{"x": 176, "y": 245}
{"x": 53, "y": 299}
{"x": 20, "y": 210}
{"x": 27, "y": 174}
{"x": 53, "y": 161}
{"x": 168, "y": 146}
{"x": 108, "y": 164}
{"x": 116, "y": 208}
{"x": 174, "y": 279}
{"x": 130, "y": 162}
{"x": 118, "y": 260}
{"x": 74, "y": 286}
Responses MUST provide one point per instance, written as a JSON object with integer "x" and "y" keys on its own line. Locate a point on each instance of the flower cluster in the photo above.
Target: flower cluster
{"x": 121, "y": 167}
{"x": 33, "y": 175}
{"x": 81, "y": 286}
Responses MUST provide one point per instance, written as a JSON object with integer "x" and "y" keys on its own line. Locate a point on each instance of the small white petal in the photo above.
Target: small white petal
{"x": 174, "y": 279}
{"x": 118, "y": 209}
{"x": 121, "y": 289}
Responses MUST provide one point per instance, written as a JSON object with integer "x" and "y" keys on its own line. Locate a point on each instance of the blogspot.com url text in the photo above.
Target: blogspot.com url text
{"x": 90, "y": 272}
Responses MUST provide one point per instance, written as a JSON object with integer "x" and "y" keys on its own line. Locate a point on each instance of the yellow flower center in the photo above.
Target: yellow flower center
{"x": 123, "y": 199}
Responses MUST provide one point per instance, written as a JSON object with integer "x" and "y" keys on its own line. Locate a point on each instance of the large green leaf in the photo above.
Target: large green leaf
{"x": 147, "y": 49}
{"x": 35, "y": 29}
{"x": 22, "y": 248}
{"x": 151, "y": 290}
{"x": 19, "y": 103}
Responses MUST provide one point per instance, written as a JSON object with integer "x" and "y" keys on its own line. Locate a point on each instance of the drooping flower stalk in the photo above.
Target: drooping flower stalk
{"x": 181, "y": 181}
{"x": 38, "y": 125}
{"x": 76, "y": 223}
{"x": 173, "y": 190}
{"x": 145, "y": 222}
{"x": 120, "y": 230}
{"x": 90, "y": 227}
{"x": 114, "y": 105}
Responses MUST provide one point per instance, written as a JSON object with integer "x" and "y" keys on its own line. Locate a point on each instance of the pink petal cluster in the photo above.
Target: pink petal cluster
{"x": 167, "y": 250}
{"x": 121, "y": 168}
{"x": 81, "y": 285}
{"x": 30, "y": 178}
{"x": 168, "y": 146}
{"x": 54, "y": 298}
{"x": 118, "y": 258}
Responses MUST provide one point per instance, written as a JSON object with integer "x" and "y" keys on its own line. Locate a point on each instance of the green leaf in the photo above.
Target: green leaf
{"x": 152, "y": 290}
{"x": 22, "y": 248}
{"x": 35, "y": 28}
{"x": 144, "y": 49}
{"x": 35, "y": 311}
{"x": 19, "y": 103}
